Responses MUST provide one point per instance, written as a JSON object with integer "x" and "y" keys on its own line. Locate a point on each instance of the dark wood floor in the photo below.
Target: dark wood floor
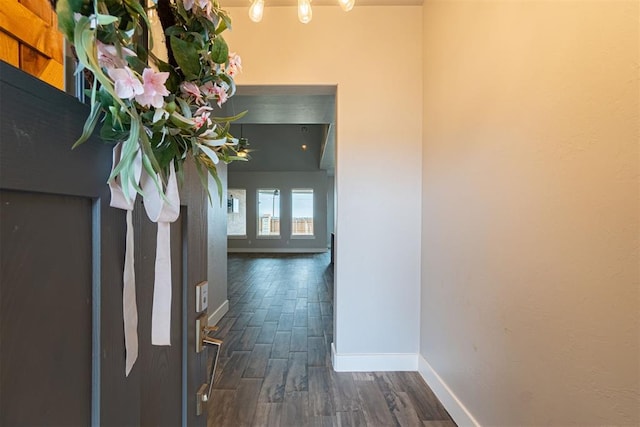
{"x": 275, "y": 363}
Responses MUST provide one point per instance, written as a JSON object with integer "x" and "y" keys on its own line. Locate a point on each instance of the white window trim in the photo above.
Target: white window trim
{"x": 303, "y": 236}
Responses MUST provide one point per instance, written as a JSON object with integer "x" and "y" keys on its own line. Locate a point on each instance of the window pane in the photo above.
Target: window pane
{"x": 237, "y": 212}
{"x": 269, "y": 212}
{"x": 302, "y": 212}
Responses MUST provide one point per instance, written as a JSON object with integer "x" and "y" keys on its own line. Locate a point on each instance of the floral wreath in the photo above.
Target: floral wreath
{"x": 158, "y": 115}
{"x": 166, "y": 112}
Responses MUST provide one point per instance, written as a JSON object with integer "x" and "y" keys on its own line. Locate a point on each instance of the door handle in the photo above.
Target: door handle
{"x": 203, "y": 339}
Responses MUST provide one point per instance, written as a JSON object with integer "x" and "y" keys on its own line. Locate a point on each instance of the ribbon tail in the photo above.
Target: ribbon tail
{"x": 161, "y": 312}
{"x": 129, "y": 307}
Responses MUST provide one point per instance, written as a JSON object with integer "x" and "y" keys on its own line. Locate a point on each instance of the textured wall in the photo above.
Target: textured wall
{"x": 373, "y": 54}
{"x": 530, "y": 267}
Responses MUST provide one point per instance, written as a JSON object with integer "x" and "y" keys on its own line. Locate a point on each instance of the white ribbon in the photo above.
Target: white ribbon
{"x": 120, "y": 200}
{"x": 163, "y": 210}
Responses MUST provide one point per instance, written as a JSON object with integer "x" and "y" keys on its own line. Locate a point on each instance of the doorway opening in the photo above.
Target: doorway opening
{"x": 284, "y": 199}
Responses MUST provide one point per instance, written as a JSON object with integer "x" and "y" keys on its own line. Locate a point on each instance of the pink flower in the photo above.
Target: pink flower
{"x": 201, "y": 120}
{"x": 221, "y": 94}
{"x": 154, "y": 89}
{"x": 203, "y": 110}
{"x": 207, "y": 90}
{"x": 206, "y": 7}
{"x": 127, "y": 84}
{"x": 235, "y": 64}
{"x": 191, "y": 90}
{"x": 202, "y": 116}
{"x": 108, "y": 55}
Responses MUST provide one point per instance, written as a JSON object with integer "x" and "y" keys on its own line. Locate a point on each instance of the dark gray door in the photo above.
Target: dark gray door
{"x": 61, "y": 261}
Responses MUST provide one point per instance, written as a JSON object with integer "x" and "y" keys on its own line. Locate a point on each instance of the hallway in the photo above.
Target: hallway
{"x": 275, "y": 363}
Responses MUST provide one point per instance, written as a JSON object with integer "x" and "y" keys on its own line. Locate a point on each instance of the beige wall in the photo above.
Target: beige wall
{"x": 530, "y": 266}
{"x": 373, "y": 55}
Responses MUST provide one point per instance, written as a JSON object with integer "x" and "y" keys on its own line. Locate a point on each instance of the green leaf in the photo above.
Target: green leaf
{"x": 226, "y": 19}
{"x": 219, "y": 50}
{"x": 89, "y": 124}
{"x": 186, "y": 111}
{"x": 136, "y": 64}
{"x": 146, "y": 145}
{"x": 85, "y": 44}
{"x": 230, "y": 119}
{"x": 214, "y": 173}
{"x": 214, "y": 142}
{"x": 180, "y": 121}
{"x": 236, "y": 159}
{"x": 66, "y": 23}
{"x": 136, "y": 6}
{"x": 106, "y": 19}
{"x": 203, "y": 177}
{"x": 210, "y": 153}
{"x": 222, "y": 26}
{"x": 186, "y": 56}
{"x": 129, "y": 148}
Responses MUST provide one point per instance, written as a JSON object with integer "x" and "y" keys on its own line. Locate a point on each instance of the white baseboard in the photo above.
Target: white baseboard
{"x": 449, "y": 400}
{"x": 373, "y": 362}
{"x": 276, "y": 250}
{"x": 220, "y": 311}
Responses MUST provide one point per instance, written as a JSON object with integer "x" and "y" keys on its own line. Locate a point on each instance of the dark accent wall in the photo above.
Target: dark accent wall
{"x": 61, "y": 260}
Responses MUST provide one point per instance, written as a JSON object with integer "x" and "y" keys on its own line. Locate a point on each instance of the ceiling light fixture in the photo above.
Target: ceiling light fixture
{"x": 304, "y": 9}
{"x": 347, "y": 5}
{"x": 256, "y": 10}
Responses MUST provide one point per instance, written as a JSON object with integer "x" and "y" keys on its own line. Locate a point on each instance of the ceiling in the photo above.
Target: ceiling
{"x": 281, "y": 147}
{"x": 287, "y": 105}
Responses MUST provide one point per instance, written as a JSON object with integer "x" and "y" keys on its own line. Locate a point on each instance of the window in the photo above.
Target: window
{"x": 302, "y": 212}
{"x": 269, "y": 212}
{"x": 237, "y": 212}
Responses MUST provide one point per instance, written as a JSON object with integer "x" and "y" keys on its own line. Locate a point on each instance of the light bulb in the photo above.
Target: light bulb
{"x": 347, "y": 5}
{"x": 304, "y": 11}
{"x": 256, "y": 9}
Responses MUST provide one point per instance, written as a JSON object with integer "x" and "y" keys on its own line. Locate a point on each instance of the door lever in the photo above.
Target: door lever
{"x": 203, "y": 338}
